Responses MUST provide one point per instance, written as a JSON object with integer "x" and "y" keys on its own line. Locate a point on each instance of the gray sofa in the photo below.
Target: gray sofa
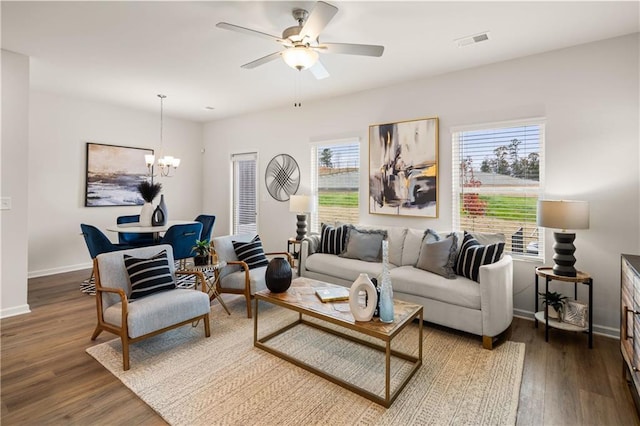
{"x": 484, "y": 308}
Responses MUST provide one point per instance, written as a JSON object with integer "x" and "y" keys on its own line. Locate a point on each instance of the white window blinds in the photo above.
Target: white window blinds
{"x": 497, "y": 172}
{"x": 245, "y": 213}
{"x": 335, "y": 181}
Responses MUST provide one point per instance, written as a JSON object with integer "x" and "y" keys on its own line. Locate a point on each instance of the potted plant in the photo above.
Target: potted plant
{"x": 556, "y": 301}
{"x": 201, "y": 249}
{"x": 148, "y": 191}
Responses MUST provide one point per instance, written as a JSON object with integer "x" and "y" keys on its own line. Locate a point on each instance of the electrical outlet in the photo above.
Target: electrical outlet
{"x": 5, "y": 203}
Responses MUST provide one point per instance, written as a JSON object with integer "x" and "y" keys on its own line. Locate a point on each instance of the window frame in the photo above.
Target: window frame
{"x": 314, "y": 221}
{"x": 235, "y": 158}
{"x": 455, "y": 175}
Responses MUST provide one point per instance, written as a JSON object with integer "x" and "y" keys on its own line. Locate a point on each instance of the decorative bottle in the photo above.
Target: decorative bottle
{"x": 386, "y": 290}
{"x": 160, "y": 215}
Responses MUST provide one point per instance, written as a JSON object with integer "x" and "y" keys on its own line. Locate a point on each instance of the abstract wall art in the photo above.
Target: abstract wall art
{"x": 403, "y": 168}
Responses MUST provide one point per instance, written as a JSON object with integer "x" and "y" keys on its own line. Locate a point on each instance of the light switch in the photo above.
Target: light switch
{"x": 5, "y": 203}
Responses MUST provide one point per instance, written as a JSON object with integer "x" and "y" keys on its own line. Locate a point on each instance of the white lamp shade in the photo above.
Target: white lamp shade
{"x": 300, "y": 57}
{"x": 300, "y": 204}
{"x": 562, "y": 214}
{"x": 149, "y": 159}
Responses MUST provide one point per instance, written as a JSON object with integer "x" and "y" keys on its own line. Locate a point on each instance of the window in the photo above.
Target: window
{"x": 335, "y": 182}
{"x": 245, "y": 211}
{"x": 497, "y": 172}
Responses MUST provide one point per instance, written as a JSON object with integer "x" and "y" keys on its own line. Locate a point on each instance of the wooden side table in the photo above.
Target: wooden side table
{"x": 293, "y": 242}
{"x": 546, "y": 272}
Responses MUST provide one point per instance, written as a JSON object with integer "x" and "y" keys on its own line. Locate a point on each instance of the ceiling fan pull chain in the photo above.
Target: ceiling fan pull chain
{"x": 297, "y": 103}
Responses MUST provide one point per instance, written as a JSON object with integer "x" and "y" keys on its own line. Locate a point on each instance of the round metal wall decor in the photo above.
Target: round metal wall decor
{"x": 282, "y": 177}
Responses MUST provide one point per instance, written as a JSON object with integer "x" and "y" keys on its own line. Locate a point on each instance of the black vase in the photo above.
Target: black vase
{"x": 278, "y": 275}
{"x": 201, "y": 260}
{"x": 160, "y": 216}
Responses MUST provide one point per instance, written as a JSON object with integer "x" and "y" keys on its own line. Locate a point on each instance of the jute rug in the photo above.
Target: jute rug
{"x": 191, "y": 380}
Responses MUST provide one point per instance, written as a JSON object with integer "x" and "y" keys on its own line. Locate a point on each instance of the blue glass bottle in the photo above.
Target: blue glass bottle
{"x": 386, "y": 290}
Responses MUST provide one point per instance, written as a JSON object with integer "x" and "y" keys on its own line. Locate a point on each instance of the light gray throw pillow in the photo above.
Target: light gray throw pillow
{"x": 364, "y": 244}
{"x": 439, "y": 256}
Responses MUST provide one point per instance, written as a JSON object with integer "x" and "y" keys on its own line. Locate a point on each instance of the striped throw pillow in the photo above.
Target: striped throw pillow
{"x": 333, "y": 240}
{"x": 148, "y": 276}
{"x": 251, "y": 253}
{"x": 473, "y": 255}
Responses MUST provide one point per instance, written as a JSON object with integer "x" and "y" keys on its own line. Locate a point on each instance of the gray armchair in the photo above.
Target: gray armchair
{"x": 236, "y": 277}
{"x": 146, "y": 316}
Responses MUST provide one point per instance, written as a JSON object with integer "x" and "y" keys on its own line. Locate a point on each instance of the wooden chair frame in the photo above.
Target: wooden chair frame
{"x": 123, "y": 331}
{"x": 246, "y": 291}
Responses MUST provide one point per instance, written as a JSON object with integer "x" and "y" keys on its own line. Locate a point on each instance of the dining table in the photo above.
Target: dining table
{"x": 136, "y": 228}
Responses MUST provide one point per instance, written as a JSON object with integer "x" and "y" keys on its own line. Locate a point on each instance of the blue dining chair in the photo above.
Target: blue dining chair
{"x": 182, "y": 238}
{"x": 133, "y": 238}
{"x": 98, "y": 243}
{"x": 207, "y": 225}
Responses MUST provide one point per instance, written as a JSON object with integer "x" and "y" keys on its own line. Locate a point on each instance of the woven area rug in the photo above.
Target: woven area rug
{"x": 191, "y": 380}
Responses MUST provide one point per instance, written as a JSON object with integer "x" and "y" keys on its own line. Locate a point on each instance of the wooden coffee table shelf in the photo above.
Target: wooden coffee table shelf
{"x": 301, "y": 298}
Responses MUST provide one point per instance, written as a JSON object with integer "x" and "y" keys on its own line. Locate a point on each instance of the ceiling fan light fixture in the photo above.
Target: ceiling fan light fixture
{"x": 300, "y": 57}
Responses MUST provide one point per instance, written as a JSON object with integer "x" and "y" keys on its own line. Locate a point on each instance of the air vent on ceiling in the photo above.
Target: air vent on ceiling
{"x": 472, "y": 39}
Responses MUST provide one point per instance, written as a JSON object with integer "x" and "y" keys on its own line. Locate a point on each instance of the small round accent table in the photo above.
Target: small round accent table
{"x": 547, "y": 273}
{"x": 209, "y": 274}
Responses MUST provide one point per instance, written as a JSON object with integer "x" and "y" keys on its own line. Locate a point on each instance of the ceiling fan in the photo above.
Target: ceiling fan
{"x": 301, "y": 43}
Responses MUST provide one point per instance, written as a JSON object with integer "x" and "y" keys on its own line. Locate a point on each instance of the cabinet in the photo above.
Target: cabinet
{"x": 630, "y": 321}
{"x": 582, "y": 278}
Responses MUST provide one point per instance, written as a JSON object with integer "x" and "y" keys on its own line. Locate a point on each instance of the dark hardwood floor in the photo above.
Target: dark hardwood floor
{"x": 47, "y": 378}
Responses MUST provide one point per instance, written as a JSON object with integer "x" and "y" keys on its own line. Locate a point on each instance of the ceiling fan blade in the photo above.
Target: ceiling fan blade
{"x": 319, "y": 17}
{"x": 262, "y": 60}
{"x": 243, "y": 30}
{"x": 352, "y": 49}
{"x": 319, "y": 71}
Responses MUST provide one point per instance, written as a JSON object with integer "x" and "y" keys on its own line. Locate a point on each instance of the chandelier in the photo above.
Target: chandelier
{"x": 165, "y": 162}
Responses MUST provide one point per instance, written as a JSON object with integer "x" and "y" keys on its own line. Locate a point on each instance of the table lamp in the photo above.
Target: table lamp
{"x": 562, "y": 214}
{"x": 301, "y": 204}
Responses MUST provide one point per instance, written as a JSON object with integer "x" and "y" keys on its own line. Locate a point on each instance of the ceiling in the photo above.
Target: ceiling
{"x": 125, "y": 53}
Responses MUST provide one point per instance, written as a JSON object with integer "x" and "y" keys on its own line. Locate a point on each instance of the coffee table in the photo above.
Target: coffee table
{"x": 301, "y": 298}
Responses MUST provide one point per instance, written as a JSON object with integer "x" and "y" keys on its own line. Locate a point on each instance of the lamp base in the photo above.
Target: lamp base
{"x": 302, "y": 226}
{"x": 563, "y": 257}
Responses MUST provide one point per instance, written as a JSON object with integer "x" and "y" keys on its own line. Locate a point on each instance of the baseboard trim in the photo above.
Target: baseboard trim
{"x": 14, "y": 310}
{"x": 60, "y": 270}
{"x": 601, "y": 330}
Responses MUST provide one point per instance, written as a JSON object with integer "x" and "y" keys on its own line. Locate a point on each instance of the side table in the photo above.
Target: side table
{"x": 582, "y": 278}
{"x": 209, "y": 275}
{"x": 293, "y": 242}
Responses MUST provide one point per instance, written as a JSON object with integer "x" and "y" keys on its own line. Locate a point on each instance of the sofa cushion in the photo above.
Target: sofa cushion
{"x": 473, "y": 255}
{"x": 484, "y": 238}
{"x": 342, "y": 267}
{"x": 332, "y": 239}
{"x": 439, "y": 257}
{"x": 413, "y": 243}
{"x": 396, "y": 236}
{"x": 148, "y": 276}
{"x": 458, "y": 291}
{"x": 251, "y": 252}
{"x": 364, "y": 244}
{"x": 223, "y": 246}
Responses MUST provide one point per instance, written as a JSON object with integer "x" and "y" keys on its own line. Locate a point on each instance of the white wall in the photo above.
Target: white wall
{"x": 588, "y": 93}
{"x": 59, "y": 129}
{"x": 14, "y": 172}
